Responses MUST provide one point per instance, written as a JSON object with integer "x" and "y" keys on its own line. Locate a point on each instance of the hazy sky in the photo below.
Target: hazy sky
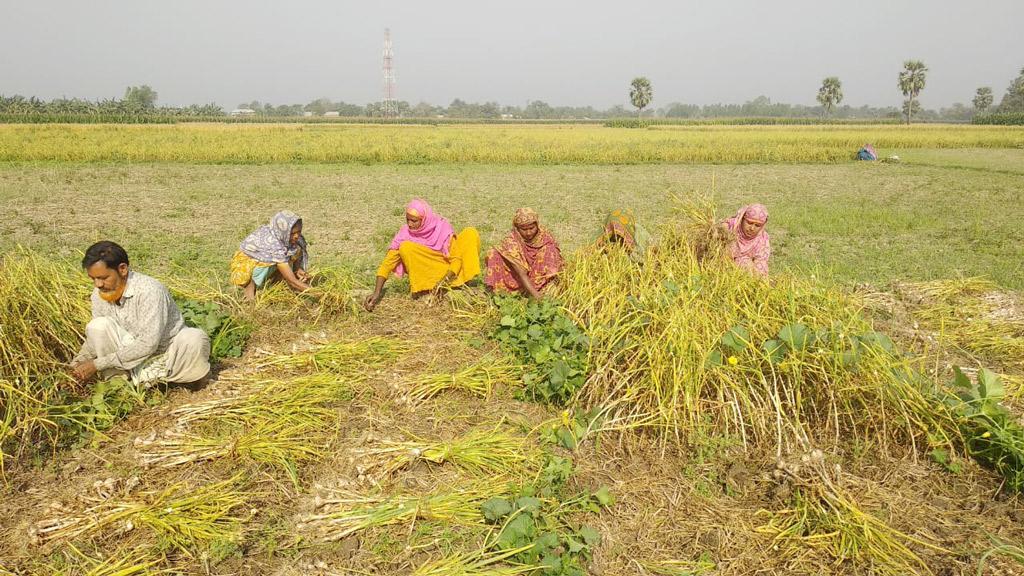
{"x": 571, "y": 53}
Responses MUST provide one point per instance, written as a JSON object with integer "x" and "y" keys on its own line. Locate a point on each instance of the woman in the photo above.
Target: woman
{"x": 751, "y": 248}
{"x": 621, "y": 227}
{"x": 427, "y": 247}
{"x": 275, "y": 248}
{"x": 526, "y": 261}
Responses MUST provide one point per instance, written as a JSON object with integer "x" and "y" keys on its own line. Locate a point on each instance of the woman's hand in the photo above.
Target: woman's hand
{"x": 292, "y": 277}
{"x": 373, "y": 299}
{"x": 371, "y": 302}
{"x": 302, "y": 275}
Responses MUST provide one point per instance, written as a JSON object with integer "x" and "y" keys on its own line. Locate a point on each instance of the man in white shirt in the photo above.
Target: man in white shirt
{"x": 136, "y": 328}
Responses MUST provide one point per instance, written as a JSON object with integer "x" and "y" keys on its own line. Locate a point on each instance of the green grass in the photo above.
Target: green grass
{"x": 1007, "y": 160}
{"x": 863, "y": 222}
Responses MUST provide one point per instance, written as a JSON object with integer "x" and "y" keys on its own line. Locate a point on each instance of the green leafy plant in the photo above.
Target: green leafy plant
{"x": 110, "y": 401}
{"x": 571, "y": 431}
{"x": 228, "y": 334}
{"x": 942, "y": 457}
{"x": 798, "y": 337}
{"x": 537, "y": 528}
{"x": 993, "y": 437}
{"x": 1001, "y": 548}
{"x": 543, "y": 338}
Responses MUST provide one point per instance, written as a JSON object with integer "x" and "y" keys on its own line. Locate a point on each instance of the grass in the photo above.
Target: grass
{"x": 480, "y": 144}
{"x": 1008, "y": 550}
{"x": 1006, "y": 160}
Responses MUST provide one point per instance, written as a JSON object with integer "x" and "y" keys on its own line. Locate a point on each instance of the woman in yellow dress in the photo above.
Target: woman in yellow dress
{"x": 273, "y": 249}
{"x": 429, "y": 250}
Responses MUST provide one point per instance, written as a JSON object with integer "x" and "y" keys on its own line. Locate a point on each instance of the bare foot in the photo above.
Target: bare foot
{"x": 249, "y": 292}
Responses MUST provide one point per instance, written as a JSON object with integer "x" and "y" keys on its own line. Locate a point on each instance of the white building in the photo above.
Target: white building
{"x": 243, "y": 112}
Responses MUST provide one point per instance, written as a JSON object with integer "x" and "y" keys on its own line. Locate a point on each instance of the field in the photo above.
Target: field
{"x": 313, "y": 143}
{"x": 408, "y": 442}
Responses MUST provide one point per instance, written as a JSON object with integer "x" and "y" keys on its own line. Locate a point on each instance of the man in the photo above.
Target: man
{"x": 136, "y": 327}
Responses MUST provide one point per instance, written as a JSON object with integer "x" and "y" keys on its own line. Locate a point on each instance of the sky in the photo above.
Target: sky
{"x": 562, "y": 52}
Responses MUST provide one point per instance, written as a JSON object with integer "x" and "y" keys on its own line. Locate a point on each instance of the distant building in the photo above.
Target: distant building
{"x": 307, "y": 114}
{"x": 243, "y": 112}
{"x": 331, "y": 114}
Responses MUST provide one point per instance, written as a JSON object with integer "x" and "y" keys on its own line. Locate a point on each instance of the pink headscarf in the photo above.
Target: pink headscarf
{"x": 435, "y": 232}
{"x": 751, "y": 252}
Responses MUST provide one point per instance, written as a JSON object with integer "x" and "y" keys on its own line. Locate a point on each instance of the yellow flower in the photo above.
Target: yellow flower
{"x": 986, "y": 435}
{"x": 733, "y": 360}
{"x": 565, "y": 418}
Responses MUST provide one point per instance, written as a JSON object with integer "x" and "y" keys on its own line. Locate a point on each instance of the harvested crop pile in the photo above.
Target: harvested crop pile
{"x": 44, "y": 307}
{"x": 688, "y": 341}
{"x": 971, "y": 314}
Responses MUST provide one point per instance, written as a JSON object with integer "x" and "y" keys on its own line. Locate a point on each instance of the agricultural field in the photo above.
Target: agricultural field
{"x": 483, "y": 144}
{"x": 858, "y": 414}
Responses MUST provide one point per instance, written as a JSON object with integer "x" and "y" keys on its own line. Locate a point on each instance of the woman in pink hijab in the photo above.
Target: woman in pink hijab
{"x": 429, "y": 250}
{"x": 751, "y": 249}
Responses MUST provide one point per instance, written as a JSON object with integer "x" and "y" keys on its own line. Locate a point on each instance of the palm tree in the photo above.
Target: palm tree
{"x": 830, "y": 94}
{"x": 983, "y": 99}
{"x": 911, "y": 83}
{"x": 640, "y": 94}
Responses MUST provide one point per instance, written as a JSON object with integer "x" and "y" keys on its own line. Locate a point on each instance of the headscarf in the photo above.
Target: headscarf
{"x": 621, "y": 225}
{"x": 525, "y": 217}
{"x": 751, "y": 251}
{"x": 434, "y": 232}
{"x": 541, "y": 257}
{"x": 271, "y": 242}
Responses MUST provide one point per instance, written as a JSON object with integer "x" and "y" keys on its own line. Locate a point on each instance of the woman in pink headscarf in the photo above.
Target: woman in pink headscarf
{"x": 751, "y": 248}
{"x": 429, "y": 250}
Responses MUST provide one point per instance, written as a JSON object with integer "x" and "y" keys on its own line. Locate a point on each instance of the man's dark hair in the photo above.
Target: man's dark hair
{"x": 110, "y": 253}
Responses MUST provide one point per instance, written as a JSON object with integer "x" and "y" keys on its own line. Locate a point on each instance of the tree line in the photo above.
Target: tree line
{"x": 912, "y": 80}
{"x": 142, "y": 100}
{"x": 137, "y": 101}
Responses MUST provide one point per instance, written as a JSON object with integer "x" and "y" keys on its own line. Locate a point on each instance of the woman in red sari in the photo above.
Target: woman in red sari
{"x": 527, "y": 260}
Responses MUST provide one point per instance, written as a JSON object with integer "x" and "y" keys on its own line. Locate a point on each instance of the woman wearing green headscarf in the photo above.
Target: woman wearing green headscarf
{"x": 622, "y": 228}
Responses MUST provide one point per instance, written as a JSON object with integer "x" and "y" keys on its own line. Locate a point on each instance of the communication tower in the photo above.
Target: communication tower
{"x": 390, "y": 105}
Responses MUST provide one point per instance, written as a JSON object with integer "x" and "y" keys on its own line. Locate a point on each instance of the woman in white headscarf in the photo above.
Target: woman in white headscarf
{"x": 278, "y": 247}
